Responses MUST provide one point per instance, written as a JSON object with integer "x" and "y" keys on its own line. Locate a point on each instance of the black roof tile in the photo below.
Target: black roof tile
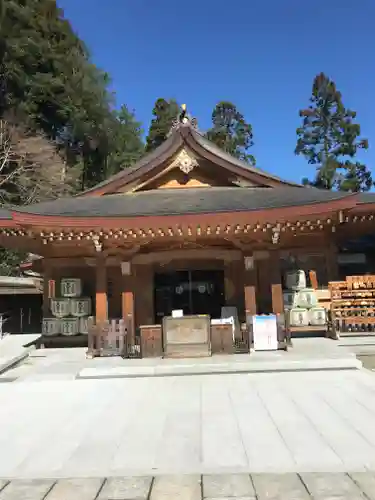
{"x": 182, "y": 201}
{"x": 366, "y": 198}
{"x": 5, "y": 214}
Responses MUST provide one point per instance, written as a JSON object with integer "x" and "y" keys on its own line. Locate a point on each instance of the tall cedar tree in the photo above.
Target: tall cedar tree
{"x": 47, "y": 75}
{"x": 127, "y": 141}
{"x": 164, "y": 113}
{"x": 329, "y": 139}
{"x": 231, "y": 132}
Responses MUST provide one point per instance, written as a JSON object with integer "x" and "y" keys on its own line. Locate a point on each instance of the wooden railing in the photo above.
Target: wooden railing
{"x": 112, "y": 338}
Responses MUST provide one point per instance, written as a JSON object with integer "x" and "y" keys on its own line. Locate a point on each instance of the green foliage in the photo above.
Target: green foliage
{"x": 231, "y": 132}
{"x": 127, "y": 141}
{"x": 329, "y": 139}
{"x": 48, "y": 77}
{"x": 10, "y": 261}
{"x": 164, "y": 113}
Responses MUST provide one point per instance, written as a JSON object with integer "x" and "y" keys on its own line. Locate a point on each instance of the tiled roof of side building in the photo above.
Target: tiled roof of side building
{"x": 183, "y": 201}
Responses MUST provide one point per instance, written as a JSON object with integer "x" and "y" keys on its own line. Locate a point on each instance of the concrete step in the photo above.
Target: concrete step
{"x": 15, "y": 348}
{"x": 215, "y": 365}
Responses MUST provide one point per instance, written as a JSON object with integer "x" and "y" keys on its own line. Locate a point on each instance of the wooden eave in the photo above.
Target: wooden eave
{"x": 270, "y": 214}
{"x": 363, "y": 208}
{"x": 161, "y": 155}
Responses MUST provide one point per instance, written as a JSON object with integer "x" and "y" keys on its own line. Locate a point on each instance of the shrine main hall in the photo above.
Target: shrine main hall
{"x": 188, "y": 228}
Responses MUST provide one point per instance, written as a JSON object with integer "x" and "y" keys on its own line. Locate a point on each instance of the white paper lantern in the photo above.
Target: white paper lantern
{"x": 60, "y": 307}
{"x": 69, "y": 326}
{"x": 71, "y": 287}
{"x": 80, "y": 307}
{"x": 51, "y": 326}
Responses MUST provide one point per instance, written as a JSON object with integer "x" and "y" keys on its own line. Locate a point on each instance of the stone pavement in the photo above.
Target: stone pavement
{"x": 308, "y": 486}
{"x": 67, "y": 364}
{"x": 14, "y": 348}
{"x": 275, "y": 422}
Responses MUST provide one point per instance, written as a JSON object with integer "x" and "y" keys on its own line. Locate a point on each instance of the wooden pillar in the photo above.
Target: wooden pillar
{"x": 144, "y": 287}
{"x": 276, "y": 286}
{"x": 277, "y": 298}
{"x": 331, "y": 261}
{"x": 101, "y": 299}
{"x": 229, "y": 289}
{"x": 233, "y": 284}
{"x": 127, "y": 300}
{"x": 250, "y": 289}
{"x": 47, "y": 277}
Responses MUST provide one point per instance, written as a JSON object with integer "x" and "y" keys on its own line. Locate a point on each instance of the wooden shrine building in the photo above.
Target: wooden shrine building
{"x": 189, "y": 228}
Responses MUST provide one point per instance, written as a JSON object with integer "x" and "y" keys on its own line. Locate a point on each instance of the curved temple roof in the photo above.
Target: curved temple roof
{"x": 280, "y": 203}
{"x": 184, "y": 135}
{"x": 183, "y": 201}
{"x": 266, "y": 192}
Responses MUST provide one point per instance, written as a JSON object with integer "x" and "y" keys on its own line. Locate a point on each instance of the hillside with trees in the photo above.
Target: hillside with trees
{"x": 59, "y": 132}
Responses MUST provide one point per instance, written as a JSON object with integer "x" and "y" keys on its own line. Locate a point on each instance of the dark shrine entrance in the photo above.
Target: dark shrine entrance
{"x": 193, "y": 292}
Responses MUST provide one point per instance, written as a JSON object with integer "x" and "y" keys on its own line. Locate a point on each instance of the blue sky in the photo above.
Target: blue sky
{"x": 260, "y": 54}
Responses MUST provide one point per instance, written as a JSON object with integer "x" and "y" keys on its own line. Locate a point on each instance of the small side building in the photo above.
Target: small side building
{"x": 21, "y": 301}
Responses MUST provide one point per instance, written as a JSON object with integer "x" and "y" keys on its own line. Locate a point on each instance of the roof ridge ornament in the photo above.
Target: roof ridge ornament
{"x": 184, "y": 119}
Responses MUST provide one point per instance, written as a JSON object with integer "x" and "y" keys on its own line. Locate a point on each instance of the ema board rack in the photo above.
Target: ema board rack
{"x": 353, "y": 306}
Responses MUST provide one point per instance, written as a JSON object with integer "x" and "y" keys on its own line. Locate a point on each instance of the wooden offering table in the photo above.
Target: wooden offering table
{"x": 222, "y": 338}
{"x": 187, "y": 336}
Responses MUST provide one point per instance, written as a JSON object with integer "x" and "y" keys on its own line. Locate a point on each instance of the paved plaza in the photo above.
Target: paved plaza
{"x": 334, "y": 486}
{"x": 300, "y": 435}
{"x": 276, "y": 422}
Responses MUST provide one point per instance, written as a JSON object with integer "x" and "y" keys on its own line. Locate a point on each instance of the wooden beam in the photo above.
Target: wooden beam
{"x": 168, "y": 255}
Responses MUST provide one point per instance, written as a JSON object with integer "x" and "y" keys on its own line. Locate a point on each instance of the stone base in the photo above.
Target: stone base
{"x": 187, "y": 351}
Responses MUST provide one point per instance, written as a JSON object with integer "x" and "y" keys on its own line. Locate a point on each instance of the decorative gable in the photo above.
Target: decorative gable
{"x": 186, "y": 171}
{"x": 186, "y": 159}
{"x": 185, "y": 162}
